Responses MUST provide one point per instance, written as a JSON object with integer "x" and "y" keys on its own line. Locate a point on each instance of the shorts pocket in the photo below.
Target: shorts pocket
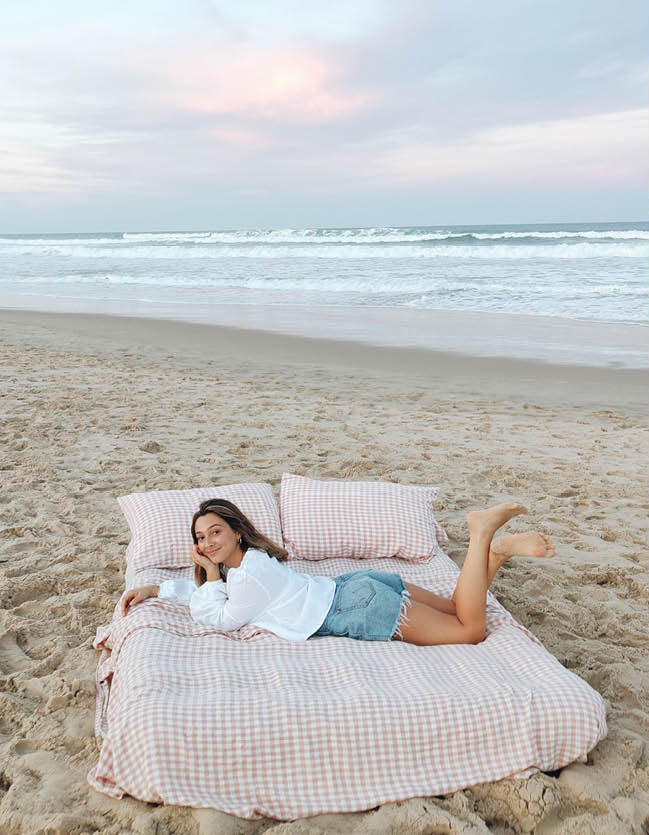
{"x": 355, "y": 594}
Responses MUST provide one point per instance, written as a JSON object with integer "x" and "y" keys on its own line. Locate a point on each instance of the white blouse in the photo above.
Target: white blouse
{"x": 261, "y": 591}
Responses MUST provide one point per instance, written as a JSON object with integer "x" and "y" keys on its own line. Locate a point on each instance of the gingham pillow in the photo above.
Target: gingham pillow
{"x": 160, "y": 520}
{"x": 358, "y": 519}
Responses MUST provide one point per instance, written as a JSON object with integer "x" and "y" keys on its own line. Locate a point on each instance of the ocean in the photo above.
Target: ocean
{"x": 593, "y": 272}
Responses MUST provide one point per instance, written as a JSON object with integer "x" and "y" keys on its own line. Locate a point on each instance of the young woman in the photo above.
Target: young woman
{"x": 241, "y": 577}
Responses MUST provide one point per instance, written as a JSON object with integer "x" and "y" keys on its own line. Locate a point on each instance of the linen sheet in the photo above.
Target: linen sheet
{"x": 258, "y": 726}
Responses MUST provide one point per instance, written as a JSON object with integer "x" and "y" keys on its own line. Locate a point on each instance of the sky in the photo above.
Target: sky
{"x": 207, "y": 114}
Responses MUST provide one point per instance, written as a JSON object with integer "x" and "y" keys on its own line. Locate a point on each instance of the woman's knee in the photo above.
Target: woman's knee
{"x": 422, "y": 625}
{"x": 475, "y": 634}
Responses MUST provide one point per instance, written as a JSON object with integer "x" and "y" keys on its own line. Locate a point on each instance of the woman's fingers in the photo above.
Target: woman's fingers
{"x": 133, "y": 597}
{"x": 199, "y": 559}
{"x": 126, "y": 600}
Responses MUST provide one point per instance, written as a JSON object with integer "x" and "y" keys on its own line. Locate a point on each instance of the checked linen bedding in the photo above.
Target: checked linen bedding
{"x": 258, "y": 726}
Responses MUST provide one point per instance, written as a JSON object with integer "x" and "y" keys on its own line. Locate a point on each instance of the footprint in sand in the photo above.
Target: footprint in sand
{"x": 5, "y": 784}
{"x": 12, "y": 658}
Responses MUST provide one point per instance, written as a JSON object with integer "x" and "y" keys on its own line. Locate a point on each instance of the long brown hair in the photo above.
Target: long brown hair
{"x": 248, "y": 533}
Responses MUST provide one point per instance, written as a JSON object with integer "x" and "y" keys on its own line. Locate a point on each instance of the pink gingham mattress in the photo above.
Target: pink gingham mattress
{"x": 257, "y": 726}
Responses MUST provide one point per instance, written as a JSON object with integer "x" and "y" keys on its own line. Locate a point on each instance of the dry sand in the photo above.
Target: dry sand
{"x": 95, "y": 407}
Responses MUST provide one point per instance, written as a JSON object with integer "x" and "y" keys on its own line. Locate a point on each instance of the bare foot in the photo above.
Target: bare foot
{"x": 488, "y": 521}
{"x": 528, "y": 544}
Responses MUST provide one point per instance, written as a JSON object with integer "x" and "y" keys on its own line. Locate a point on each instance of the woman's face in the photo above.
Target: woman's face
{"x": 216, "y": 539}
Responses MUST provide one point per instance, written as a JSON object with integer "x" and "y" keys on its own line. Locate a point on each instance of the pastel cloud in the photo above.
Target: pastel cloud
{"x": 288, "y": 85}
{"x": 226, "y": 100}
{"x": 606, "y": 147}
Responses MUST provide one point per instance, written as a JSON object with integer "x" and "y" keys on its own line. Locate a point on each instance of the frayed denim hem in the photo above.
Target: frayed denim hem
{"x": 406, "y": 602}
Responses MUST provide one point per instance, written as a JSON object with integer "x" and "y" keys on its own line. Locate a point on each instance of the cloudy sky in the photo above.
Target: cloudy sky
{"x": 206, "y": 114}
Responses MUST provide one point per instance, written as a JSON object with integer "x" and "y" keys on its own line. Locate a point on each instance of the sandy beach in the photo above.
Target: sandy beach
{"x": 94, "y": 407}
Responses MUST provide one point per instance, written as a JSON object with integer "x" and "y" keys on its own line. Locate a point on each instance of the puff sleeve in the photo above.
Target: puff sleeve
{"x": 212, "y": 605}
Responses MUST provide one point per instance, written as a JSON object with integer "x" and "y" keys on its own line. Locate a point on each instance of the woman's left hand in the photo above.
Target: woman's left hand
{"x": 212, "y": 571}
{"x": 135, "y": 596}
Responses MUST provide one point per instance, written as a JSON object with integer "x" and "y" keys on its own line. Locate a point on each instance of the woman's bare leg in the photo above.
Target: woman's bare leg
{"x": 426, "y": 626}
{"x": 528, "y": 544}
{"x": 428, "y": 598}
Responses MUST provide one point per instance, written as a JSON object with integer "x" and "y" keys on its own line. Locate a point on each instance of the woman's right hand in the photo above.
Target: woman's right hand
{"x": 134, "y": 596}
{"x": 211, "y": 571}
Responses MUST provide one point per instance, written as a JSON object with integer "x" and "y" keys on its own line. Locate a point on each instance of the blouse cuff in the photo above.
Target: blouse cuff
{"x": 176, "y": 591}
{"x": 212, "y": 590}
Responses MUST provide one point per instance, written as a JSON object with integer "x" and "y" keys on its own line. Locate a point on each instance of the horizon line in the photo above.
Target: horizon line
{"x": 279, "y": 228}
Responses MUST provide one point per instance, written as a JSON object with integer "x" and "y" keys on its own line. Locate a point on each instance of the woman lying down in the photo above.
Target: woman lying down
{"x": 260, "y": 589}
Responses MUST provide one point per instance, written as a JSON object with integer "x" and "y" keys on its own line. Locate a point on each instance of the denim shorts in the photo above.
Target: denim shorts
{"x": 367, "y": 605}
